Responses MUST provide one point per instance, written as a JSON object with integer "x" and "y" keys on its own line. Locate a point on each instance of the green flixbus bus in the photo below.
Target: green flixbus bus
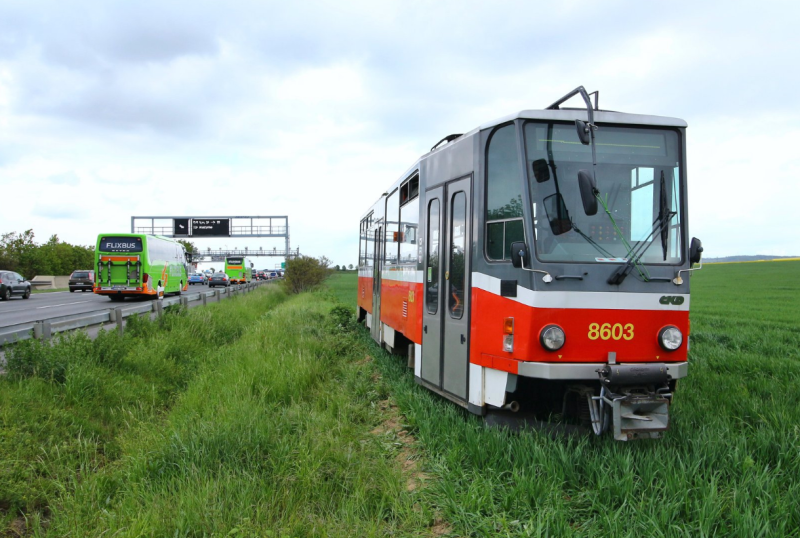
{"x": 239, "y": 269}
{"x": 139, "y": 265}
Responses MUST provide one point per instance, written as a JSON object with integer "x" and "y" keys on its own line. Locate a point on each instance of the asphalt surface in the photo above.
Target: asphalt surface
{"x": 42, "y": 306}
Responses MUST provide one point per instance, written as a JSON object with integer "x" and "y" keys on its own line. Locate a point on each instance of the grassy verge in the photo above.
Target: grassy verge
{"x": 64, "y": 410}
{"x": 267, "y": 416}
{"x": 278, "y": 431}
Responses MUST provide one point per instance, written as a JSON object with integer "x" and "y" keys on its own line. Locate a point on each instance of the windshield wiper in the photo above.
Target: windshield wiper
{"x": 635, "y": 254}
{"x": 592, "y": 242}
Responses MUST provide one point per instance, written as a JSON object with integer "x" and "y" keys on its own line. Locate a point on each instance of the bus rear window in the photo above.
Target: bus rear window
{"x": 120, "y": 244}
{"x": 235, "y": 261}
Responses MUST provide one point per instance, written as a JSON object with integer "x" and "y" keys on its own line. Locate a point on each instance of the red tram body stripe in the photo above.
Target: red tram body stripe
{"x": 365, "y": 293}
{"x": 393, "y": 294}
{"x": 490, "y": 310}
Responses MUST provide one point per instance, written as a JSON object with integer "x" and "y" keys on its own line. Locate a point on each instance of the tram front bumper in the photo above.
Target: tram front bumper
{"x": 585, "y": 370}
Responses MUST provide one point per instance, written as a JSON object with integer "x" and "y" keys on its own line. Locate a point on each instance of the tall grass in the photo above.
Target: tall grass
{"x": 271, "y": 431}
{"x": 64, "y": 408}
{"x": 278, "y": 420}
{"x": 274, "y": 440}
{"x": 728, "y": 466}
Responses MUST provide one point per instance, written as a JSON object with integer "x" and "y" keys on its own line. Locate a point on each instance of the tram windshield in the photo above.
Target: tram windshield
{"x": 638, "y": 178}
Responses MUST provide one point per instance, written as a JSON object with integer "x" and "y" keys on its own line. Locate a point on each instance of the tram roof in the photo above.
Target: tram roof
{"x": 572, "y": 114}
{"x": 600, "y": 116}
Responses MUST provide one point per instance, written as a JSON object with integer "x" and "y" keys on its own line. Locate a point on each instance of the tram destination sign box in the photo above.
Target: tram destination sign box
{"x": 211, "y": 227}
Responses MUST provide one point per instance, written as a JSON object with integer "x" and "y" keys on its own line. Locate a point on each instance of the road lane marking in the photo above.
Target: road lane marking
{"x": 65, "y": 304}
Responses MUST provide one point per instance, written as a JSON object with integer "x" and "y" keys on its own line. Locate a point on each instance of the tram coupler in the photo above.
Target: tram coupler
{"x": 637, "y": 398}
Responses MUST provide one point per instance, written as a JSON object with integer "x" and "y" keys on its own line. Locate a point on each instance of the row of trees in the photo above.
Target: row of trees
{"x": 19, "y": 252}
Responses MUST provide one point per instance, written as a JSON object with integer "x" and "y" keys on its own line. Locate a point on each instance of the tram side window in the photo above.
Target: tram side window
{"x": 503, "y": 194}
{"x": 409, "y": 190}
{"x": 409, "y": 222}
{"x": 362, "y": 242}
{"x": 369, "y": 248}
{"x": 432, "y": 276}
{"x": 458, "y": 252}
{"x": 391, "y": 236}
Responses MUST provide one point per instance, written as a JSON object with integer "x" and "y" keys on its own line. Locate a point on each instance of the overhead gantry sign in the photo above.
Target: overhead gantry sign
{"x": 209, "y": 227}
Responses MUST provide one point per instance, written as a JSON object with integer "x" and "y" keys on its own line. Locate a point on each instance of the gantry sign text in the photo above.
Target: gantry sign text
{"x": 202, "y": 227}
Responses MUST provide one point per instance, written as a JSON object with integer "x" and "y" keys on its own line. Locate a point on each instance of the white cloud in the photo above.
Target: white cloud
{"x": 311, "y": 110}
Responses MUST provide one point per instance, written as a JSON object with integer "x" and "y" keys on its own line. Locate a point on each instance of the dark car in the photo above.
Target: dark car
{"x": 11, "y": 284}
{"x": 82, "y": 280}
{"x": 219, "y": 279}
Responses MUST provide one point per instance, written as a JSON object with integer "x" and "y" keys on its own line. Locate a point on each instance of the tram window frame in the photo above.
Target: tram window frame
{"x": 369, "y": 247}
{"x": 500, "y": 223}
{"x": 457, "y": 277}
{"x": 391, "y": 232}
{"x": 408, "y": 221}
{"x": 409, "y": 189}
{"x": 362, "y": 240}
{"x": 433, "y": 253}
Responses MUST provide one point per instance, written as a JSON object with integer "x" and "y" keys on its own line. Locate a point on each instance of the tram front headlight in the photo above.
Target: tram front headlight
{"x": 552, "y": 337}
{"x": 670, "y": 338}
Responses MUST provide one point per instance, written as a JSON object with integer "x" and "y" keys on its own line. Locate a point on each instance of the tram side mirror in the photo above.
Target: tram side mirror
{"x": 541, "y": 171}
{"x": 519, "y": 254}
{"x": 583, "y": 132}
{"x": 695, "y": 251}
{"x": 589, "y": 191}
{"x": 557, "y": 214}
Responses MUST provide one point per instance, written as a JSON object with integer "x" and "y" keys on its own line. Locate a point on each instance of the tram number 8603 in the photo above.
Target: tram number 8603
{"x": 607, "y": 331}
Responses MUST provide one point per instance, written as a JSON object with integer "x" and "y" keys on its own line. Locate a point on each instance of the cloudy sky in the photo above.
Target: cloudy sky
{"x": 311, "y": 109}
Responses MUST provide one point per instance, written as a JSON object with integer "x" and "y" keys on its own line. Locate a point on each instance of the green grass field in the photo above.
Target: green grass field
{"x": 729, "y": 466}
{"x": 270, "y": 415}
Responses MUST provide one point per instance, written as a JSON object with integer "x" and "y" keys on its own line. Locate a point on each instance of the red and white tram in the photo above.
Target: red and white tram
{"x": 537, "y": 263}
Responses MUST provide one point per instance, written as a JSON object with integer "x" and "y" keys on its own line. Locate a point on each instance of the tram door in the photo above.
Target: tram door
{"x": 377, "y": 265}
{"x": 445, "y": 362}
{"x": 431, "y": 367}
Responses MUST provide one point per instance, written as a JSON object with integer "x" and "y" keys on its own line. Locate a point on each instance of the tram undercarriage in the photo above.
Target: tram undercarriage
{"x": 631, "y": 401}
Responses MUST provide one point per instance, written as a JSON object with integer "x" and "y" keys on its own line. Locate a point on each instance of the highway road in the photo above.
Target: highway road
{"x": 62, "y": 303}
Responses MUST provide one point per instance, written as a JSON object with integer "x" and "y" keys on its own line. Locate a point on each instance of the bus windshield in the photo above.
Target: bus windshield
{"x": 638, "y": 177}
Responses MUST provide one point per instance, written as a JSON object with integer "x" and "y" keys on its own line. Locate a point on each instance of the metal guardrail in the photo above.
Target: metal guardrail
{"x": 46, "y": 328}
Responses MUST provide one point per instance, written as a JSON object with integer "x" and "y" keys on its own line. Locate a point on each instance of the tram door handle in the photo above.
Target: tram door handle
{"x": 463, "y": 339}
{"x": 425, "y": 328}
